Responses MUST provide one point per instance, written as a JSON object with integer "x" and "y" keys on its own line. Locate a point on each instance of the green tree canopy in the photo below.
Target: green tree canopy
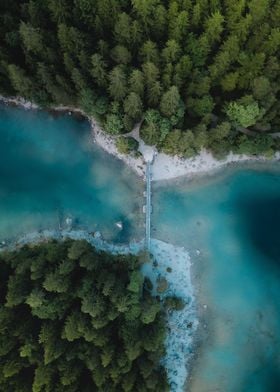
{"x": 118, "y": 83}
{"x": 75, "y": 319}
{"x": 133, "y": 106}
{"x": 187, "y": 59}
{"x": 126, "y": 145}
{"x": 244, "y": 115}
{"x": 170, "y": 102}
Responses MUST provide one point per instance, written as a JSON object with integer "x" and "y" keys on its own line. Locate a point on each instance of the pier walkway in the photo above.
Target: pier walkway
{"x": 148, "y": 153}
{"x": 148, "y": 206}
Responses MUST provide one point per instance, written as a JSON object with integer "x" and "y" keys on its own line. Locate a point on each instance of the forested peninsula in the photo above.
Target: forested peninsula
{"x": 196, "y": 73}
{"x": 76, "y": 319}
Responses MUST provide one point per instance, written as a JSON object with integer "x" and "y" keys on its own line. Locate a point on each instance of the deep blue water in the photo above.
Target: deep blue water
{"x": 50, "y": 170}
{"x": 233, "y": 220}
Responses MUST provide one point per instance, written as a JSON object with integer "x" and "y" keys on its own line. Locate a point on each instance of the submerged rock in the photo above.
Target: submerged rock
{"x": 97, "y": 234}
{"x": 3, "y": 244}
{"x": 69, "y": 221}
{"x": 119, "y": 225}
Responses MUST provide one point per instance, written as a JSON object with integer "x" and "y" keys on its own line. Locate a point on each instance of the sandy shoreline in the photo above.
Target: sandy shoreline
{"x": 18, "y": 101}
{"x": 107, "y": 142}
{"x": 165, "y": 167}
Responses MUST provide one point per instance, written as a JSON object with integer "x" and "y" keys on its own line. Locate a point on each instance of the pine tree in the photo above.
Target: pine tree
{"x": 149, "y": 52}
{"x": 133, "y": 106}
{"x": 32, "y": 39}
{"x": 170, "y": 102}
{"x": 136, "y": 83}
{"x": 118, "y": 83}
{"x": 121, "y": 55}
{"x": 214, "y": 27}
{"x": 98, "y": 70}
{"x": 20, "y": 81}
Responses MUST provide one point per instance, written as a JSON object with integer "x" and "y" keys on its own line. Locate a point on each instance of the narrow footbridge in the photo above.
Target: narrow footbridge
{"x": 148, "y": 206}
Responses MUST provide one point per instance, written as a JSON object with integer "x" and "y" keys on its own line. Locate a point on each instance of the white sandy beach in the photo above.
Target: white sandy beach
{"x": 167, "y": 167}
{"x": 108, "y": 143}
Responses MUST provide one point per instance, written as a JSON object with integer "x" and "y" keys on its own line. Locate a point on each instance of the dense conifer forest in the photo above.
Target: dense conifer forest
{"x": 200, "y": 73}
{"x": 76, "y": 320}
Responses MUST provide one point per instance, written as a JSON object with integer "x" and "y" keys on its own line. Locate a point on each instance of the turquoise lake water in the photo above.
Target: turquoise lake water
{"x": 230, "y": 225}
{"x": 50, "y": 170}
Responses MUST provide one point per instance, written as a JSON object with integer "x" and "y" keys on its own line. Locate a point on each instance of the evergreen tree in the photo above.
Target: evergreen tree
{"x": 170, "y": 102}
{"x": 118, "y": 84}
{"x": 136, "y": 82}
{"x": 32, "y": 38}
{"x": 98, "y": 70}
{"x": 133, "y": 106}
